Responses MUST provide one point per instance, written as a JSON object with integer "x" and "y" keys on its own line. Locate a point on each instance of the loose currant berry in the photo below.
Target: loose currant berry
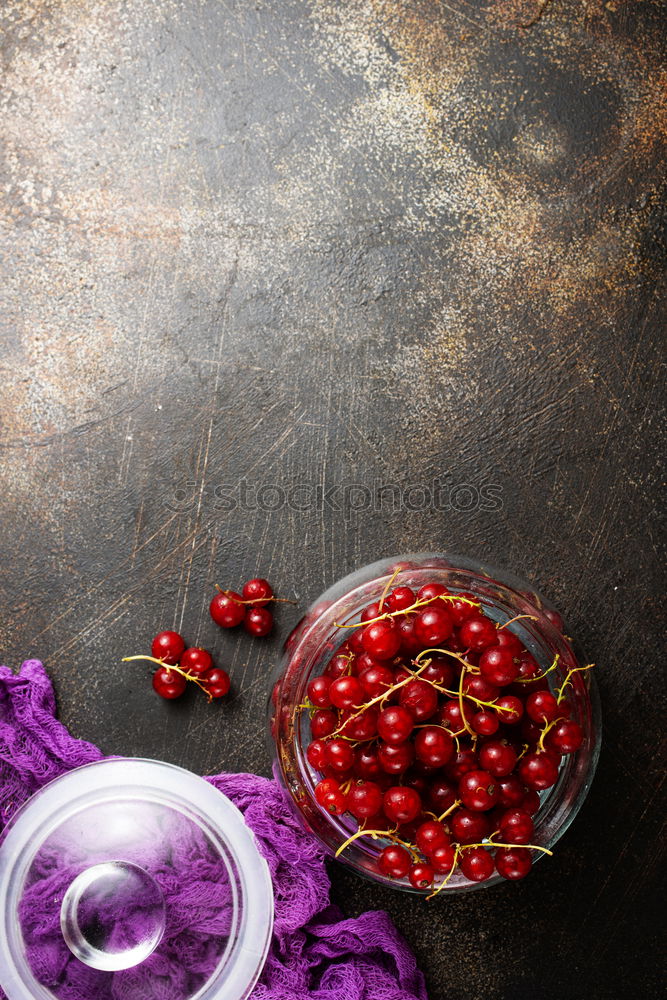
{"x": 464, "y": 760}
{"x": 323, "y": 723}
{"x": 538, "y": 771}
{"x": 258, "y": 621}
{"x": 566, "y": 737}
{"x": 367, "y": 763}
{"x": 226, "y": 609}
{"x": 531, "y": 801}
{"x": 497, "y": 757}
{"x": 217, "y": 682}
{"x": 346, "y": 692}
{"x": 355, "y": 642}
{"x": 322, "y": 788}
{"x": 410, "y": 643}
{"x": 196, "y": 660}
{"x": 441, "y": 795}
{"x": 508, "y": 640}
{"x": 316, "y": 754}
{"x": 401, "y": 804}
{"x": 509, "y": 709}
{"x": 395, "y": 724}
{"x": 430, "y": 591}
{"x": 477, "y": 633}
{"x": 433, "y": 625}
{"x": 478, "y": 687}
{"x": 363, "y": 726}
{"x": 430, "y": 835}
{"x": 375, "y": 680}
{"x": 541, "y": 706}
{"x": 513, "y": 862}
{"x": 469, "y": 827}
{"x": 364, "y": 800}
{"x": 400, "y": 599}
{"x": 258, "y": 591}
{"x": 338, "y": 666}
{"x": 434, "y": 746}
{"x": 442, "y": 858}
{"x": 439, "y": 671}
{"x": 394, "y": 861}
{"x": 516, "y": 826}
{"x": 461, "y": 610}
{"x": 419, "y": 699}
{"x": 381, "y": 640}
{"x": 477, "y": 864}
{"x": 168, "y": 647}
{"x": 485, "y": 723}
{"x": 339, "y": 755}
{"x": 372, "y": 611}
{"x": 168, "y": 684}
{"x": 478, "y": 791}
{"x": 396, "y": 759}
{"x": 421, "y": 875}
{"x": 335, "y": 803}
{"x": 497, "y": 666}
{"x": 318, "y": 691}
{"x": 512, "y": 792}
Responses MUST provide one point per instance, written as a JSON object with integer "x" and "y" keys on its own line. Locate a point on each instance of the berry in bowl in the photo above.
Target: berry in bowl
{"x": 433, "y": 725}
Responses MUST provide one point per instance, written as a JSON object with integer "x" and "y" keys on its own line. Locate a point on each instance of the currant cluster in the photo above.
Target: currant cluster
{"x": 435, "y": 729}
{"x": 178, "y": 665}
{"x": 229, "y": 609}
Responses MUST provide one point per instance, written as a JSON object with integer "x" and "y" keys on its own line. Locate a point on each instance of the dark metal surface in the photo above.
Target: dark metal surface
{"x": 343, "y": 245}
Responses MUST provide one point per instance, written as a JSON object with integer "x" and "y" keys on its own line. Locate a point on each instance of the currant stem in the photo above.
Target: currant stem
{"x": 516, "y": 618}
{"x": 566, "y": 682}
{"x": 388, "y": 587}
{"x": 377, "y": 699}
{"x": 170, "y": 666}
{"x": 451, "y": 809}
{"x": 527, "y": 680}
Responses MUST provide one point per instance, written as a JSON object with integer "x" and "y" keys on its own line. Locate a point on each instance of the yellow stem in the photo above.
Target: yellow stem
{"x": 516, "y": 618}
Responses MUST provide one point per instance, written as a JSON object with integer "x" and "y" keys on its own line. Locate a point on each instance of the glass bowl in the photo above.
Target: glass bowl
{"x": 318, "y": 635}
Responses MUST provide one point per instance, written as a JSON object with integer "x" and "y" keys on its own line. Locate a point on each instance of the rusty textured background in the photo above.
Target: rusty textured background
{"x": 348, "y": 242}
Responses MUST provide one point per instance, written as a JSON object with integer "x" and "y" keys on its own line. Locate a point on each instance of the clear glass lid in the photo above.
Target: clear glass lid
{"x": 127, "y": 880}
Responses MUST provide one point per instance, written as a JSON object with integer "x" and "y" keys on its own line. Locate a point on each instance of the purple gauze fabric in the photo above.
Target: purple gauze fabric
{"x": 315, "y": 954}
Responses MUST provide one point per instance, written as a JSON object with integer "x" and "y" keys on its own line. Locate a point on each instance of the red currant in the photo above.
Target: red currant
{"x": 339, "y": 755}
{"x": 538, "y": 771}
{"x": 318, "y": 691}
{"x": 226, "y": 609}
{"x": 477, "y": 633}
{"x": 167, "y": 683}
{"x": 566, "y": 737}
{"x": 346, "y": 692}
{"x": 364, "y": 800}
{"x": 421, "y": 875}
{"x": 541, "y": 706}
{"x": 401, "y": 804}
{"x": 497, "y": 666}
{"x": 375, "y": 680}
{"x": 168, "y": 647}
{"x": 442, "y": 858}
{"x": 419, "y": 699}
{"x": 434, "y": 746}
{"x": 469, "y": 827}
{"x": 516, "y": 826}
{"x": 394, "y": 861}
{"x": 497, "y": 757}
{"x": 217, "y": 682}
{"x": 478, "y": 791}
{"x": 477, "y": 864}
{"x": 323, "y": 723}
{"x": 485, "y": 723}
{"x": 513, "y": 862}
{"x": 316, "y": 754}
{"x": 381, "y": 640}
{"x": 430, "y": 835}
{"x": 258, "y": 591}
{"x": 196, "y": 660}
{"x": 433, "y": 626}
{"x": 400, "y": 599}
{"x": 395, "y": 724}
{"x": 396, "y": 759}
{"x": 258, "y": 621}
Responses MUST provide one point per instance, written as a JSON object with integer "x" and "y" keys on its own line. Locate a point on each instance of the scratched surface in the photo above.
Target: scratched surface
{"x": 339, "y": 244}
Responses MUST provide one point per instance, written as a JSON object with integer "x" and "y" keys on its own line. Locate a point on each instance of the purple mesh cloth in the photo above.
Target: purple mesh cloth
{"x": 315, "y": 954}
